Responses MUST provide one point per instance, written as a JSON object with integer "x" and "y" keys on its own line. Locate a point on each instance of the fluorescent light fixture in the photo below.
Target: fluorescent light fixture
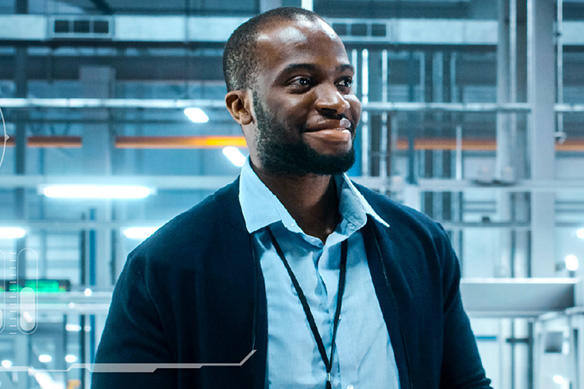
{"x": 139, "y": 233}
{"x": 12, "y": 232}
{"x": 96, "y": 191}
{"x": 45, "y": 358}
{"x": 580, "y": 233}
{"x": 70, "y": 358}
{"x": 234, "y": 156}
{"x": 73, "y": 328}
{"x": 6, "y": 363}
{"x": 196, "y": 115}
{"x": 558, "y": 379}
{"x": 572, "y": 262}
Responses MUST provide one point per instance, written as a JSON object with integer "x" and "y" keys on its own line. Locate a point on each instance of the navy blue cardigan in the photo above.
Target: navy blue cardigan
{"x": 194, "y": 293}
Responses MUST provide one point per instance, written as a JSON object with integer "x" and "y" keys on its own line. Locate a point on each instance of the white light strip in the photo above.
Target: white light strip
{"x": 12, "y": 232}
{"x": 139, "y": 233}
{"x": 45, "y": 358}
{"x": 96, "y": 191}
{"x": 558, "y": 379}
{"x": 307, "y": 4}
{"x": 73, "y": 327}
{"x": 235, "y": 156}
{"x": 196, "y": 115}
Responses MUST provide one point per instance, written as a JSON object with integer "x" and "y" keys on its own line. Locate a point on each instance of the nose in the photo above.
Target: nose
{"x": 330, "y": 101}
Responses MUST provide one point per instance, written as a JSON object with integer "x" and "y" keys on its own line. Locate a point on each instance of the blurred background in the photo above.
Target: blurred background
{"x": 115, "y": 122}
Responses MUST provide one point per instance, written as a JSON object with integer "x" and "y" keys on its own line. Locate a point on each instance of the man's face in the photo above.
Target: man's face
{"x": 305, "y": 109}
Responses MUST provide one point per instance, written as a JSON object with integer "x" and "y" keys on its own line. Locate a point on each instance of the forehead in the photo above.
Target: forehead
{"x": 301, "y": 40}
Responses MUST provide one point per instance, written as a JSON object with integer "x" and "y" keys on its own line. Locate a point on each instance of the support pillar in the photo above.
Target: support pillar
{"x": 20, "y": 81}
{"x": 266, "y": 5}
{"x": 541, "y": 96}
{"x": 97, "y": 146}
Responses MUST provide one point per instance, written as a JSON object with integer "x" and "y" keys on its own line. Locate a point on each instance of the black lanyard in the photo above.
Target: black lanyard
{"x": 328, "y": 362}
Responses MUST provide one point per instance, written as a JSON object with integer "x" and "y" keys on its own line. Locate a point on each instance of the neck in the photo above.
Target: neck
{"x": 310, "y": 199}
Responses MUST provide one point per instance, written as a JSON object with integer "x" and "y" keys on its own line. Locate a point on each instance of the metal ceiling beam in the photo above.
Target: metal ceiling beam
{"x": 168, "y": 142}
{"x": 214, "y": 182}
{"x": 192, "y": 29}
{"x": 20, "y": 103}
{"x": 74, "y": 103}
{"x": 103, "y": 6}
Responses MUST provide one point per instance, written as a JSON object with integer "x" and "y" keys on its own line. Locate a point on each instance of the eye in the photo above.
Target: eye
{"x": 300, "y": 82}
{"x": 345, "y": 84}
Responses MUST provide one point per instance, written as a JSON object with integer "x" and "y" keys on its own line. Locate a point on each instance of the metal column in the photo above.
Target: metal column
{"x": 22, "y": 342}
{"x": 21, "y": 86}
{"x": 97, "y": 148}
{"x": 266, "y": 5}
{"x": 541, "y": 96}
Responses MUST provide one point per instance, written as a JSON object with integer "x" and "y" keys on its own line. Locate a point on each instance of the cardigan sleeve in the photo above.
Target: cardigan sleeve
{"x": 461, "y": 364}
{"x": 133, "y": 334}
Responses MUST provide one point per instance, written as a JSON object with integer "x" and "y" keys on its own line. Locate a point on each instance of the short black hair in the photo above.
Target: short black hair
{"x": 240, "y": 60}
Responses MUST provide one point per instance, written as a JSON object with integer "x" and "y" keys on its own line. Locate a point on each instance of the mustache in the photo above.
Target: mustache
{"x": 333, "y": 116}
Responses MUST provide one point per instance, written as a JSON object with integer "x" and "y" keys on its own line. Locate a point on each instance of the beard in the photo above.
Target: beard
{"x": 280, "y": 155}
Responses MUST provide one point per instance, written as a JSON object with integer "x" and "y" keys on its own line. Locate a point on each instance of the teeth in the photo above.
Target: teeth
{"x": 345, "y": 123}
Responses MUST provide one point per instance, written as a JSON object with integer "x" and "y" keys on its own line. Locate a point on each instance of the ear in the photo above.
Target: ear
{"x": 238, "y": 104}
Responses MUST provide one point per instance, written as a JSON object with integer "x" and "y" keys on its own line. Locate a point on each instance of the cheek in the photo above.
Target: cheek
{"x": 293, "y": 111}
{"x": 355, "y": 108}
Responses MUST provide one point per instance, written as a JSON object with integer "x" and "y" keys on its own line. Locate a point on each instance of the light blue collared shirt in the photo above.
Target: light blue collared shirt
{"x": 364, "y": 356}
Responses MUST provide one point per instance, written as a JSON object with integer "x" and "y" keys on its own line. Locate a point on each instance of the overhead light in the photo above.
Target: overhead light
{"x": 95, "y": 191}
{"x": 558, "y": 379}
{"x": 12, "y": 232}
{"x": 73, "y": 327}
{"x": 196, "y": 115}
{"x": 70, "y": 358}
{"x": 87, "y": 292}
{"x": 572, "y": 262}
{"x": 45, "y": 358}
{"x": 6, "y": 363}
{"x": 140, "y": 233}
{"x": 235, "y": 156}
{"x": 580, "y": 233}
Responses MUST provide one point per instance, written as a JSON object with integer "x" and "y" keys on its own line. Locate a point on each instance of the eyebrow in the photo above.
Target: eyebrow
{"x": 311, "y": 67}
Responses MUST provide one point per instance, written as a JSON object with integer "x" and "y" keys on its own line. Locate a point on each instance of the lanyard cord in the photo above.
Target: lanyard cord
{"x": 328, "y": 362}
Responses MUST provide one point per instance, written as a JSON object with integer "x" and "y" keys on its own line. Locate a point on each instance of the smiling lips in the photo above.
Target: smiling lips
{"x": 340, "y": 134}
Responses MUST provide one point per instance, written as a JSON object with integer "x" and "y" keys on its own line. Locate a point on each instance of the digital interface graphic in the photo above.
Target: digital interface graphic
{"x": 19, "y": 294}
{"x": 19, "y": 316}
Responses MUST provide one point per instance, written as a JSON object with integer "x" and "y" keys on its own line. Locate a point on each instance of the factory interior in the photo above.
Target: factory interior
{"x": 114, "y": 121}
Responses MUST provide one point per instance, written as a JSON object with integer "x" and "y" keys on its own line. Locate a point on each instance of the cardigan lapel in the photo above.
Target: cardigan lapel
{"x": 238, "y": 244}
{"x": 378, "y": 258}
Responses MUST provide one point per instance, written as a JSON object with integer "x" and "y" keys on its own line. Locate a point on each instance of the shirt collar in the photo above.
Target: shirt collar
{"x": 261, "y": 208}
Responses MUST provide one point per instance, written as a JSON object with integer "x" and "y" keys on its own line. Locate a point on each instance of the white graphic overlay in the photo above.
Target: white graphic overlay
{"x": 127, "y": 367}
{"x": 18, "y": 309}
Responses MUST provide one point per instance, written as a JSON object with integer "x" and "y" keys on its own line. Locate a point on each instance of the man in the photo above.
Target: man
{"x": 292, "y": 275}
